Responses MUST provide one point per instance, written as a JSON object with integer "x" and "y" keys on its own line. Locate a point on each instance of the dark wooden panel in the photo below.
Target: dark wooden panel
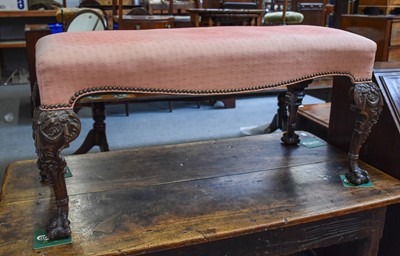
{"x": 376, "y": 28}
{"x": 314, "y": 118}
{"x": 321, "y": 233}
{"x": 313, "y": 11}
{"x": 160, "y": 198}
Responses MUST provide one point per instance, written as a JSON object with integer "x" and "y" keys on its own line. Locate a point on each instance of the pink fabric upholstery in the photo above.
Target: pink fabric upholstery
{"x": 213, "y": 60}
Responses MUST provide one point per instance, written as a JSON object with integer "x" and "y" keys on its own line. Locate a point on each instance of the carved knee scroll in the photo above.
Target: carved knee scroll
{"x": 368, "y": 106}
{"x": 53, "y": 130}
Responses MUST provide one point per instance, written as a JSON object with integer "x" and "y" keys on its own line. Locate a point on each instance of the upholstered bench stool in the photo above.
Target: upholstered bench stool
{"x": 191, "y": 61}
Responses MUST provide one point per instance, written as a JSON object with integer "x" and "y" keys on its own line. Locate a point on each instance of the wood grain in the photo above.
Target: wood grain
{"x": 173, "y": 197}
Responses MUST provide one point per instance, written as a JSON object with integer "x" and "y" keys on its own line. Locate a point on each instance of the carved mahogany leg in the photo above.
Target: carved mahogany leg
{"x": 294, "y": 97}
{"x": 53, "y": 130}
{"x": 367, "y": 105}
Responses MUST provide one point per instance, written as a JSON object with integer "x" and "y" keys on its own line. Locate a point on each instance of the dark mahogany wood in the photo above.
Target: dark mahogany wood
{"x": 242, "y": 196}
{"x": 382, "y": 146}
{"x": 385, "y": 135}
{"x": 382, "y": 29}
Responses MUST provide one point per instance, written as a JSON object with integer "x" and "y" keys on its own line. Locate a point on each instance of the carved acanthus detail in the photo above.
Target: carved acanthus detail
{"x": 368, "y": 104}
{"x": 368, "y": 100}
{"x": 52, "y": 132}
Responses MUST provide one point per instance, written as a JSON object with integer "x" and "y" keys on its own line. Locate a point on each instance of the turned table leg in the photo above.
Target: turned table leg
{"x": 53, "y": 130}
{"x": 280, "y": 118}
{"x": 97, "y": 135}
{"x": 367, "y": 103}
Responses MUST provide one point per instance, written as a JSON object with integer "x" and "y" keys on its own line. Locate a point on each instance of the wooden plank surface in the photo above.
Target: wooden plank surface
{"x": 318, "y": 113}
{"x": 151, "y": 199}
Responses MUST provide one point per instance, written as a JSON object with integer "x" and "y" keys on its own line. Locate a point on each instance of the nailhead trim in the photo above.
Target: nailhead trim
{"x": 107, "y": 89}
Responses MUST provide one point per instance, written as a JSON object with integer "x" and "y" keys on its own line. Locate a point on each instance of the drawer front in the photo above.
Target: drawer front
{"x": 395, "y": 34}
{"x": 394, "y": 54}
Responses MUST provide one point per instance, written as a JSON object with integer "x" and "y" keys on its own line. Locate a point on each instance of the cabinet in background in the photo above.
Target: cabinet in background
{"x": 313, "y": 10}
{"x": 12, "y": 37}
{"x": 381, "y": 6}
{"x": 384, "y": 30}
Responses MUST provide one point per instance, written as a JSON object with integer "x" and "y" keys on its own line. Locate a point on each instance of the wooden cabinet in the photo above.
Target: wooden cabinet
{"x": 313, "y": 11}
{"x": 384, "y": 6}
{"x": 384, "y": 30}
{"x": 12, "y": 36}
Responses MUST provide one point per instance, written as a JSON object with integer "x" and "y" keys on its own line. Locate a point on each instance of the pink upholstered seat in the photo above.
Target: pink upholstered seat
{"x": 215, "y": 60}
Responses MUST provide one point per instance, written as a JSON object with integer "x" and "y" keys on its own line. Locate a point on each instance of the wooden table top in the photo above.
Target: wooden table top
{"x": 149, "y": 199}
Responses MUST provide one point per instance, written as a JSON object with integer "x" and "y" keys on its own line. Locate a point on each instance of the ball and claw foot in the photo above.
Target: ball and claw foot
{"x": 290, "y": 140}
{"x": 357, "y": 176}
{"x": 58, "y": 228}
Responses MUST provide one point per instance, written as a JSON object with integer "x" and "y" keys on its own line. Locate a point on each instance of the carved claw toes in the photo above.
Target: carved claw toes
{"x": 58, "y": 228}
{"x": 357, "y": 176}
{"x": 290, "y": 140}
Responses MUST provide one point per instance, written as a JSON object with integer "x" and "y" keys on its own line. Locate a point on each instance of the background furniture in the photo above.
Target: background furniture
{"x": 313, "y": 10}
{"x": 86, "y": 20}
{"x": 384, "y": 7}
{"x": 384, "y": 30}
{"x": 283, "y": 16}
{"x": 12, "y": 37}
{"x": 129, "y": 22}
{"x": 217, "y": 17}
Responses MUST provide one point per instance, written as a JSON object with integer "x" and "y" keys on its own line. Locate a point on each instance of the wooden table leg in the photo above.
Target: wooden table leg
{"x": 294, "y": 98}
{"x": 53, "y": 130}
{"x": 280, "y": 119}
{"x": 97, "y": 135}
{"x": 370, "y": 246}
{"x": 194, "y": 17}
{"x": 367, "y": 103}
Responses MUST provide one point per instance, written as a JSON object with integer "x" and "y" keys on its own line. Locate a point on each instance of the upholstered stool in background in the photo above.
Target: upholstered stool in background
{"x": 283, "y": 17}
